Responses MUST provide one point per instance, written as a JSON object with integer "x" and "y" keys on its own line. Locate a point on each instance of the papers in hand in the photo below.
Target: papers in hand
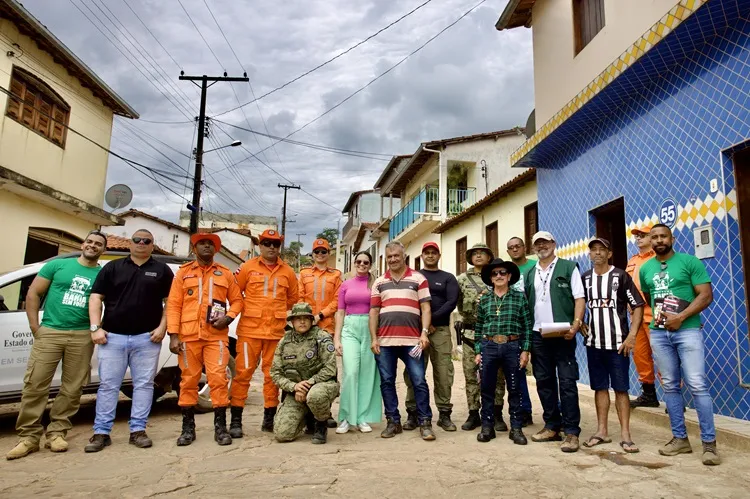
{"x": 554, "y": 329}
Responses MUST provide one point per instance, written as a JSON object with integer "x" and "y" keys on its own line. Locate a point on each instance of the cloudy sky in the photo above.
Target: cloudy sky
{"x": 470, "y": 79}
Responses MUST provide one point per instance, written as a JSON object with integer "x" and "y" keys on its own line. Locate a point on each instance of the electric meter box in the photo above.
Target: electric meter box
{"x": 704, "y": 242}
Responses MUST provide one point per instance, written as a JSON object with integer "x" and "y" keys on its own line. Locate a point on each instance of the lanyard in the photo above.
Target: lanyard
{"x": 545, "y": 279}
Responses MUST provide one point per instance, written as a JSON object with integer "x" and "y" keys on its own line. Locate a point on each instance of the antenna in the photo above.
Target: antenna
{"x": 118, "y": 196}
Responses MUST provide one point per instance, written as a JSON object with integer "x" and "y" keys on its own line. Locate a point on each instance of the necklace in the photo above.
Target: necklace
{"x": 544, "y": 278}
{"x": 498, "y": 305}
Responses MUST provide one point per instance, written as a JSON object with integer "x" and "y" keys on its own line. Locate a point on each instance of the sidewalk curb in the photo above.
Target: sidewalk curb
{"x": 730, "y": 432}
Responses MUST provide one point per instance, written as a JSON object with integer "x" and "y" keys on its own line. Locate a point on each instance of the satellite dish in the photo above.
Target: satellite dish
{"x": 118, "y": 196}
{"x": 531, "y": 124}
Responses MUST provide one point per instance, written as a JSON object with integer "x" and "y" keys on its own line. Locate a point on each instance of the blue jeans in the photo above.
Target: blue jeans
{"x": 523, "y": 386}
{"x": 682, "y": 351}
{"x": 387, "y": 362}
{"x": 120, "y": 352}
{"x": 505, "y": 356}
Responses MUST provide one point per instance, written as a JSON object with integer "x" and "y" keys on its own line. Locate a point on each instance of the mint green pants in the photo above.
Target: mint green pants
{"x": 360, "y": 400}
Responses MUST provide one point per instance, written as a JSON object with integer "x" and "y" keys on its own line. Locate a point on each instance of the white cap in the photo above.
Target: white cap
{"x": 542, "y": 234}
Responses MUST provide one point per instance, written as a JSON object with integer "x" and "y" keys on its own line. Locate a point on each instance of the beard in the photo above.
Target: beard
{"x": 663, "y": 249}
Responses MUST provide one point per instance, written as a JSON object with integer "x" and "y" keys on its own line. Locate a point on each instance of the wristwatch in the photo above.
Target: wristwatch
{"x": 94, "y": 328}
{"x": 426, "y": 331}
{"x": 321, "y": 316}
{"x": 230, "y": 319}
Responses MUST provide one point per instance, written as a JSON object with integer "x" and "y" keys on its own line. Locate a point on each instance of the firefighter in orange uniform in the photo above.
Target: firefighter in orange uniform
{"x": 270, "y": 288}
{"x": 319, "y": 286}
{"x": 197, "y": 321}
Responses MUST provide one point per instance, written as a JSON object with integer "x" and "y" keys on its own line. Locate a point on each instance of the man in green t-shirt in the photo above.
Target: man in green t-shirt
{"x": 517, "y": 253}
{"x": 63, "y": 335}
{"x": 678, "y": 288}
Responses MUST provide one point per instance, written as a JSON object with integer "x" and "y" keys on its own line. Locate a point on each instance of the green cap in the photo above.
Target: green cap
{"x": 300, "y": 310}
{"x": 479, "y": 246}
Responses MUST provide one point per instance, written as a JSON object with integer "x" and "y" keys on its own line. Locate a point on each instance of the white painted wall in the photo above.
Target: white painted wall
{"x": 162, "y": 234}
{"x": 559, "y": 74}
{"x": 236, "y": 243}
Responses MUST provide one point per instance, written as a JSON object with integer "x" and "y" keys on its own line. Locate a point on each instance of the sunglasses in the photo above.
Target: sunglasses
{"x": 500, "y": 272}
{"x": 143, "y": 240}
{"x": 663, "y": 272}
{"x": 268, "y": 244}
{"x": 361, "y": 262}
{"x": 320, "y": 252}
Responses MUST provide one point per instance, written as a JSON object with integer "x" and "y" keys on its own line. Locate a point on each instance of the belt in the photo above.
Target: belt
{"x": 502, "y": 338}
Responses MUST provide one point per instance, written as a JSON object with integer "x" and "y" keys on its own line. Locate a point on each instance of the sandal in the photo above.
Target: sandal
{"x": 629, "y": 447}
{"x": 597, "y": 441}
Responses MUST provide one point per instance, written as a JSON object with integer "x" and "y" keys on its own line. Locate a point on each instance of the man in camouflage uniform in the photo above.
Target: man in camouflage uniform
{"x": 471, "y": 288}
{"x": 304, "y": 368}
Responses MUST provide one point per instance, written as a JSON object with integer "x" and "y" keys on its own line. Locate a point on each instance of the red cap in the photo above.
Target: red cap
{"x": 270, "y": 234}
{"x": 321, "y": 243}
{"x": 430, "y": 244}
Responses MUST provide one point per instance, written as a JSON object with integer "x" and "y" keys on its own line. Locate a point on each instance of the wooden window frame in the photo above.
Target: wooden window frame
{"x": 37, "y": 107}
{"x": 492, "y": 241}
{"x": 588, "y": 21}
{"x": 529, "y": 233}
{"x": 461, "y": 263}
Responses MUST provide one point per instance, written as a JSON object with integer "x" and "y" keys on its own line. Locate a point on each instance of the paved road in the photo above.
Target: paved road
{"x": 361, "y": 465}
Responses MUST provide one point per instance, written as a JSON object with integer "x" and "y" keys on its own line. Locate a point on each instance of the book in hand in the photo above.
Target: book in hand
{"x": 216, "y": 310}
{"x": 416, "y": 351}
{"x": 554, "y": 329}
{"x": 669, "y": 303}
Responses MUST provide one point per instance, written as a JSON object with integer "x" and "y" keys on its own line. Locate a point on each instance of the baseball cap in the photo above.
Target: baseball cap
{"x": 644, "y": 230}
{"x": 602, "y": 241}
{"x": 271, "y": 234}
{"x": 201, "y": 236}
{"x": 431, "y": 244}
{"x": 321, "y": 243}
{"x": 542, "y": 234}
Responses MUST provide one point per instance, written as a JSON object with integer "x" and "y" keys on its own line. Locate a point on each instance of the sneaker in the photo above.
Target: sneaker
{"x": 710, "y": 454}
{"x": 570, "y": 444}
{"x": 140, "y": 440}
{"x": 546, "y": 435}
{"x": 98, "y": 442}
{"x": 56, "y": 444}
{"x": 343, "y": 427}
{"x": 676, "y": 446}
{"x": 22, "y": 449}
{"x": 364, "y": 427}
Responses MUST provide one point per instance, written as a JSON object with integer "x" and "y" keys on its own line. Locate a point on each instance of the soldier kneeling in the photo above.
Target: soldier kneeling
{"x": 304, "y": 368}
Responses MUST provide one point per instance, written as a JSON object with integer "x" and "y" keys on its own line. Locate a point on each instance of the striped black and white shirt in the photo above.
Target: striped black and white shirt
{"x": 607, "y": 298}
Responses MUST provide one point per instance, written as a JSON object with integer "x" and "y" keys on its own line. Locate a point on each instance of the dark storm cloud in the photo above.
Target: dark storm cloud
{"x": 471, "y": 79}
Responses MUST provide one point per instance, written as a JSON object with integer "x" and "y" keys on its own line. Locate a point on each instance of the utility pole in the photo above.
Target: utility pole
{"x": 283, "y": 211}
{"x": 299, "y": 250}
{"x": 195, "y": 206}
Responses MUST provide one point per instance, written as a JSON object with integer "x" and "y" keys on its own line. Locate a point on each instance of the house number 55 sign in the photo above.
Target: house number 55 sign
{"x": 668, "y": 213}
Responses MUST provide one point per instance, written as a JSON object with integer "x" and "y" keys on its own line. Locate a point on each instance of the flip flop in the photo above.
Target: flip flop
{"x": 632, "y": 447}
{"x": 597, "y": 441}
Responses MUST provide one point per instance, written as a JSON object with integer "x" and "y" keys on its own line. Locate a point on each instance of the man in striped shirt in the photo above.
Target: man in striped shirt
{"x": 400, "y": 320}
{"x": 609, "y": 291}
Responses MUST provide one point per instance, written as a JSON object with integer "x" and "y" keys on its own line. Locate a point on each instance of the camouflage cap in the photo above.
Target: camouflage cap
{"x": 479, "y": 246}
{"x": 300, "y": 310}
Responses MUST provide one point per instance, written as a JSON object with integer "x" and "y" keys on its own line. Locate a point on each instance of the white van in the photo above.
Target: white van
{"x": 16, "y": 339}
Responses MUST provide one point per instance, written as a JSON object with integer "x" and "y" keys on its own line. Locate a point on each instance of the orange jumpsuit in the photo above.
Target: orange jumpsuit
{"x": 194, "y": 289}
{"x": 269, "y": 293}
{"x": 320, "y": 289}
{"x": 642, "y": 354}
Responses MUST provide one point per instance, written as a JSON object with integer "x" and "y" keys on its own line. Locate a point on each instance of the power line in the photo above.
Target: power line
{"x": 340, "y": 54}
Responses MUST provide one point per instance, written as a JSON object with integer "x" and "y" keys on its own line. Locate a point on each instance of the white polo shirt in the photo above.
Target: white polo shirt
{"x": 543, "y": 304}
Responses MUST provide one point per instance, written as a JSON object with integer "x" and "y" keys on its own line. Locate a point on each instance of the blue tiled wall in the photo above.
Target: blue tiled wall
{"x": 667, "y": 143}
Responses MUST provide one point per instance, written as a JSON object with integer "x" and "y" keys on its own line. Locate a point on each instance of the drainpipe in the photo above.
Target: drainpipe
{"x": 442, "y": 184}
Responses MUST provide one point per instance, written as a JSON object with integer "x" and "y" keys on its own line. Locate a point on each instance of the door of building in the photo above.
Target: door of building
{"x": 461, "y": 246}
{"x": 609, "y": 221}
{"x": 491, "y": 236}
{"x": 741, "y": 162}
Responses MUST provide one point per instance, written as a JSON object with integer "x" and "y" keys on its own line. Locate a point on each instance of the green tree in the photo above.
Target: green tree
{"x": 330, "y": 234}
{"x": 290, "y": 254}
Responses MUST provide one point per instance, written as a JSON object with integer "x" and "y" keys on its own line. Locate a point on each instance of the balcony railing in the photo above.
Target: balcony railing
{"x": 460, "y": 199}
{"x": 427, "y": 201}
{"x": 352, "y": 222}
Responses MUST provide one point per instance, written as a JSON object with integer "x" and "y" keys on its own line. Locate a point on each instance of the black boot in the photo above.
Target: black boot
{"x": 411, "y": 420}
{"x": 221, "y": 435}
{"x": 516, "y": 434}
{"x": 647, "y": 398}
{"x": 309, "y": 423}
{"x": 444, "y": 420}
{"x": 235, "y": 426}
{"x": 321, "y": 432}
{"x": 486, "y": 434}
{"x": 187, "y": 436}
{"x": 472, "y": 422}
{"x": 332, "y": 423}
{"x": 499, "y": 422}
{"x": 268, "y": 415}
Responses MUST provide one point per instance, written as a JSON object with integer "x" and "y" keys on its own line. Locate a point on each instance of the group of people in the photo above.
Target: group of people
{"x": 295, "y": 327}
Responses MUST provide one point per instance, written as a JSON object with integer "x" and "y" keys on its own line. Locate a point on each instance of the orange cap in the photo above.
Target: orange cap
{"x": 321, "y": 243}
{"x": 645, "y": 230}
{"x": 271, "y": 234}
{"x": 201, "y": 236}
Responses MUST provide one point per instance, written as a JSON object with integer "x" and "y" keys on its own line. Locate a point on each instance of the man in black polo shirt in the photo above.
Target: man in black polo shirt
{"x": 132, "y": 290}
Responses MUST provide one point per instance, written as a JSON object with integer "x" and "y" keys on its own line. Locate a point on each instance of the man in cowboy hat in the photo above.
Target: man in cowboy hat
{"x": 503, "y": 340}
{"x": 471, "y": 288}
{"x": 197, "y": 323}
{"x": 271, "y": 289}
{"x": 304, "y": 368}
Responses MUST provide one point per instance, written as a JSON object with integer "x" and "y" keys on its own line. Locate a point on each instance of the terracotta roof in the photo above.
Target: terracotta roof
{"x": 137, "y": 213}
{"x": 517, "y": 13}
{"x": 489, "y": 199}
{"x": 30, "y": 26}
{"x": 117, "y": 243}
{"x": 213, "y": 230}
{"x": 364, "y": 227}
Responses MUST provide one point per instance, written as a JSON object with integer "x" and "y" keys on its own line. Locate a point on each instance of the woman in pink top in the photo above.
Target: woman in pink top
{"x": 360, "y": 401}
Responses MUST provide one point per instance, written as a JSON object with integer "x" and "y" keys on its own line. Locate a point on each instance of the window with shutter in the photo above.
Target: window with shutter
{"x": 35, "y": 105}
{"x": 588, "y": 20}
